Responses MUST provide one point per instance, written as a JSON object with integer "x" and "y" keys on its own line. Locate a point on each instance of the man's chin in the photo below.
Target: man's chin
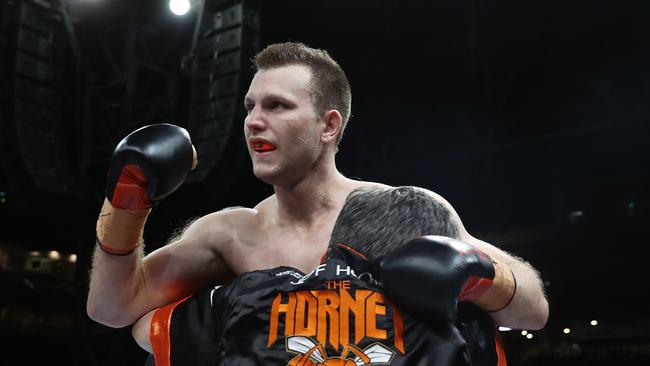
{"x": 267, "y": 176}
{"x": 274, "y": 177}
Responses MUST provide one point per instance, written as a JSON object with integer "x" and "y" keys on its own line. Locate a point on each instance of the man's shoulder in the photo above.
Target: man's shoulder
{"x": 265, "y": 204}
{"x": 356, "y": 184}
{"x": 224, "y": 220}
{"x": 364, "y": 184}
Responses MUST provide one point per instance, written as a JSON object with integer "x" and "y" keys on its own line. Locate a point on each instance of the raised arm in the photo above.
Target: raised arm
{"x": 148, "y": 165}
{"x": 123, "y": 288}
{"x": 528, "y": 308}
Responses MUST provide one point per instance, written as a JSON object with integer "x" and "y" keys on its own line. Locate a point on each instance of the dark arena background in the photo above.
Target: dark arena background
{"x": 531, "y": 118}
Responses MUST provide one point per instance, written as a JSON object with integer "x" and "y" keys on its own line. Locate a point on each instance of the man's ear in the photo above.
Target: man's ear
{"x": 332, "y": 122}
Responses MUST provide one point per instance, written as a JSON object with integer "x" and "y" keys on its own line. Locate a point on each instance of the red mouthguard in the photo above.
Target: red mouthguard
{"x": 263, "y": 146}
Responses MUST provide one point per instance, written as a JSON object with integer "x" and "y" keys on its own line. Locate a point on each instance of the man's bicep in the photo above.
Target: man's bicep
{"x": 189, "y": 264}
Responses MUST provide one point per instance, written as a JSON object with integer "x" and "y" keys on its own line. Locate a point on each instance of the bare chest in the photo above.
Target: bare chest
{"x": 272, "y": 248}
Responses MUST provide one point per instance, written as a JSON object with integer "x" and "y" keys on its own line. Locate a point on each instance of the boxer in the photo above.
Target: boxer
{"x": 297, "y": 105}
{"x": 390, "y": 298}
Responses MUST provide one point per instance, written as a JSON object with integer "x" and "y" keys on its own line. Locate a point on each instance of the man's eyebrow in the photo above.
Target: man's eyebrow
{"x": 277, "y": 96}
{"x": 248, "y": 99}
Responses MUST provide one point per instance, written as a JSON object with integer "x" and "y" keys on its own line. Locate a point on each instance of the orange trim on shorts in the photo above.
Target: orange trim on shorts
{"x": 159, "y": 333}
{"x": 501, "y": 353}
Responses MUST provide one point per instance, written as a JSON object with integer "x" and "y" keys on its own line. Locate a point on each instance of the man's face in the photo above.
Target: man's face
{"x": 282, "y": 129}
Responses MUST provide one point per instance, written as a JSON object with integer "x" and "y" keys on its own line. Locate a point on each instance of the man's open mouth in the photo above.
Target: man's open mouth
{"x": 262, "y": 146}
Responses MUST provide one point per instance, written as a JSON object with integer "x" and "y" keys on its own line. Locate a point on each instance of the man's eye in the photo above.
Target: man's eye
{"x": 275, "y": 105}
{"x": 249, "y": 108}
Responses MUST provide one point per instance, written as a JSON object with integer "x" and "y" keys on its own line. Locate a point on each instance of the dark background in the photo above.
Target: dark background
{"x": 531, "y": 119}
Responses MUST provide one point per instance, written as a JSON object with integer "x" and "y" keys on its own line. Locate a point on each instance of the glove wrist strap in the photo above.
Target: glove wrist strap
{"x": 502, "y": 291}
{"x": 119, "y": 231}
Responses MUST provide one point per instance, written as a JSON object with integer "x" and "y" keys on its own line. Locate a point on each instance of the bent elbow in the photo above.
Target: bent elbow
{"x": 540, "y": 317}
{"x": 534, "y": 317}
{"x": 101, "y": 316}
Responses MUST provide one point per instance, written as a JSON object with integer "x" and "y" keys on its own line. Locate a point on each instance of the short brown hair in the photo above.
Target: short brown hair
{"x": 376, "y": 221}
{"x": 329, "y": 85}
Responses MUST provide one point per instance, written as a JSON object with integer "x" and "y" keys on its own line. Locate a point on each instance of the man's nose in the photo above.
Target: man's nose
{"x": 255, "y": 120}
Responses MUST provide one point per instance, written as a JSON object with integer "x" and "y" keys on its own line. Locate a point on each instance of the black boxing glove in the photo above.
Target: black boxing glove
{"x": 427, "y": 276}
{"x": 147, "y": 165}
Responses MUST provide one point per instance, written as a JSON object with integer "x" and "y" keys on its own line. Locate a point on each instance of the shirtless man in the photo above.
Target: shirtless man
{"x": 298, "y": 104}
{"x": 340, "y": 310}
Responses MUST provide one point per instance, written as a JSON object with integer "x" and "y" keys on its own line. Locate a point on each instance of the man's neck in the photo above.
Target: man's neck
{"x": 316, "y": 194}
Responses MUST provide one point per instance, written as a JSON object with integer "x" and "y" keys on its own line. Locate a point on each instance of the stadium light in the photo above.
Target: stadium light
{"x": 179, "y": 7}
